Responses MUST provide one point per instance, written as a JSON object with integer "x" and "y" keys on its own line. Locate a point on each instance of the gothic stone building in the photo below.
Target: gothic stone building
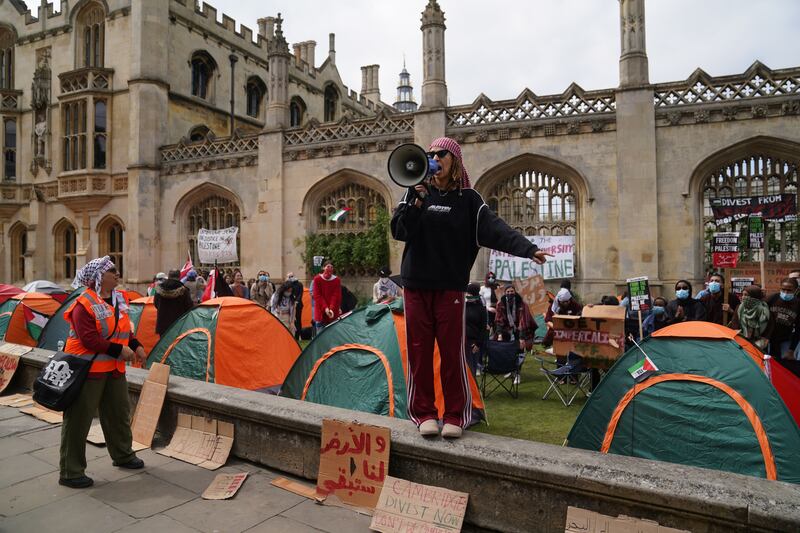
{"x": 129, "y": 124}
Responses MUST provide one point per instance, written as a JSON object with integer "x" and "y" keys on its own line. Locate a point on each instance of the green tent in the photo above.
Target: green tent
{"x": 708, "y": 404}
{"x": 57, "y": 329}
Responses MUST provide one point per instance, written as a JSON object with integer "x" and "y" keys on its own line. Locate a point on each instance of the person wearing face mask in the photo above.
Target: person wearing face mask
{"x": 713, "y": 301}
{"x": 384, "y": 289}
{"x": 784, "y": 308}
{"x": 489, "y": 297}
{"x": 327, "y": 297}
{"x": 262, "y": 290}
{"x": 563, "y": 304}
{"x": 297, "y": 294}
{"x": 283, "y": 305}
{"x": 657, "y": 318}
{"x": 753, "y": 319}
{"x": 684, "y": 308}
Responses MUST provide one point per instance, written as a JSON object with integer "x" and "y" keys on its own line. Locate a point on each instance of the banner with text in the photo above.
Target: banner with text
{"x": 217, "y": 246}
{"x": 775, "y": 208}
{"x": 507, "y": 267}
{"x": 725, "y": 250}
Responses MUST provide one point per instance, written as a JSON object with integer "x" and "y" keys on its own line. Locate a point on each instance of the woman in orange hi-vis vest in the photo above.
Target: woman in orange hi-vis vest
{"x": 99, "y": 324}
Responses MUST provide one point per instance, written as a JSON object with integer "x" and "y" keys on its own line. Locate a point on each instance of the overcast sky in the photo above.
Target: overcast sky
{"x": 500, "y": 47}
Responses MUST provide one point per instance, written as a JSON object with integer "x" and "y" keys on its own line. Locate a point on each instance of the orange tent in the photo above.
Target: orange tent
{"x": 230, "y": 341}
{"x": 143, "y": 320}
{"x": 305, "y": 317}
{"x": 13, "y": 326}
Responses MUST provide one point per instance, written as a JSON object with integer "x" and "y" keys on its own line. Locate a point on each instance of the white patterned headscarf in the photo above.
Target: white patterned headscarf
{"x": 92, "y": 273}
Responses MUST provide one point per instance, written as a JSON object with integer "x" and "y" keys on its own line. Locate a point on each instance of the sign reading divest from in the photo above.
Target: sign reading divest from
{"x": 775, "y": 207}
{"x": 725, "y": 252}
{"x": 599, "y": 333}
{"x": 405, "y": 506}
{"x": 217, "y": 246}
{"x": 353, "y": 462}
{"x": 507, "y": 267}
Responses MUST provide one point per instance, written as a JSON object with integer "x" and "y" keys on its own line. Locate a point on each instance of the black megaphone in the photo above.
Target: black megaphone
{"x": 409, "y": 165}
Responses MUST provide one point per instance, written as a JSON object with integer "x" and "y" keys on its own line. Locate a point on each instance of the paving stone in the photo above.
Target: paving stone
{"x": 21, "y": 467}
{"x": 52, "y": 454}
{"x": 44, "y": 437}
{"x": 27, "y": 495}
{"x": 190, "y": 477}
{"x": 9, "y": 412}
{"x": 142, "y": 495}
{"x": 20, "y": 424}
{"x": 255, "y": 502}
{"x": 104, "y": 468}
{"x": 76, "y": 513}
{"x": 11, "y": 446}
{"x": 157, "y": 524}
{"x": 328, "y": 518}
{"x": 281, "y": 524}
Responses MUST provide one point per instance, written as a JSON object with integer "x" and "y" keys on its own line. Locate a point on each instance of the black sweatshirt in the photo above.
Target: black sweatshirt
{"x": 443, "y": 237}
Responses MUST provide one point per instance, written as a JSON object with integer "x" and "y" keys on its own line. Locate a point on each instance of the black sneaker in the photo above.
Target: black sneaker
{"x": 133, "y": 464}
{"x": 76, "y": 482}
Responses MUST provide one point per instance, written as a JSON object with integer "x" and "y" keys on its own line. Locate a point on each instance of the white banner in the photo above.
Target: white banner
{"x": 217, "y": 245}
{"x": 507, "y": 267}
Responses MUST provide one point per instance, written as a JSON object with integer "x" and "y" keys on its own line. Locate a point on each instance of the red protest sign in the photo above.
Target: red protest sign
{"x": 725, "y": 250}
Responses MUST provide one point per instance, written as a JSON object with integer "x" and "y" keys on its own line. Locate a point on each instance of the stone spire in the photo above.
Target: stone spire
{"x": 633, "y": 67}
{"x": 278, "y": 57}
{"x": 434, "y": 87}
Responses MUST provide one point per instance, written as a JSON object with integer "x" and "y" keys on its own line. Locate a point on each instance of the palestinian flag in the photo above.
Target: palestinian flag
{"x": 643, "y": 369}
{"x": 34, "y": 321}
{"x": 339, "y": 215}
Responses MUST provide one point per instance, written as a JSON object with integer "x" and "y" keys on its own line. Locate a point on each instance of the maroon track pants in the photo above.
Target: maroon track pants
{"x": 437, "y": 315}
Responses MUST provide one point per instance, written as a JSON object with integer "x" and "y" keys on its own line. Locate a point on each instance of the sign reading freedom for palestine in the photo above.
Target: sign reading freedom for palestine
{"x": 725, "y": 252}
{"x": 775, "y": 207}
{"x": 217, "y": 246}
{"x": 507, "y": 267}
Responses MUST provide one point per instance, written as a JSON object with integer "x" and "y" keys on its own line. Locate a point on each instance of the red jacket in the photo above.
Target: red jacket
{"x": 327, "y": 295}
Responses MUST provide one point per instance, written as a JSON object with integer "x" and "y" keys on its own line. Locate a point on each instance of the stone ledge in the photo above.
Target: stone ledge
{"x": 514, "y": 485}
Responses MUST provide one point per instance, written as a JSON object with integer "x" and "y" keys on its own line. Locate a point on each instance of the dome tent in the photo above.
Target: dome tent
{"x": 13, "y": 325}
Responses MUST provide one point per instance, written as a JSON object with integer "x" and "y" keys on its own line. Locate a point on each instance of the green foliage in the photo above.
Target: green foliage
{"x": 368, "y": 250}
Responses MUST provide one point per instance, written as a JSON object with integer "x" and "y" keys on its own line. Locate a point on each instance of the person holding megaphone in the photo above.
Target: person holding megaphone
{"x": 443, "y": 222}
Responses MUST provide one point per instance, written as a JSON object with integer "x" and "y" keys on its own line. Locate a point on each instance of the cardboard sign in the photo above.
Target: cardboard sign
{"x": 533, "y": 293}
{"x": 562, "y": 265}
{"x": 224, "y": 486}
{"x": 406, "y": 506}
{"x": 43, "y": 413}
{"x": 10, "y": 348}
{"x": 301, "y": 489}
{"x": 8, "y": 365}
{"x": 353, "y": 462}
{"x": 738, "y": 285}
{"x": 151, "y": 400}
{"x": 755, "y": 231}
{"x": 775, "y": 272}
{"x": 217, "y": 246}
{"x": 725, "y": 250}
{"x": 775, "y": 207}
{"x": 200, "y": 441}
{"x": 97, "y": 438}
{"x": 598, "y": 334}
{"x": 16, "y": 400}
{"x": 585, "y": 521}
{"x": 639, "y": 293}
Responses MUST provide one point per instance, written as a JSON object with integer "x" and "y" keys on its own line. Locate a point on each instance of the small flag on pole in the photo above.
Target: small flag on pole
{"x": 339, "y": 215}
{"x": 187, "y": 266}
{"x": 34, "y": 321}
{"x": 643, "y": 369}
{"x": 211, "y": 286}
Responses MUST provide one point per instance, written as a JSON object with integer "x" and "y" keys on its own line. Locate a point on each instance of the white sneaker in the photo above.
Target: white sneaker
{"x": 516, "y": 379}
{"x": 477, "y": 372}
{"x": 451, "y": 431}
{"x": 429, "y": 428}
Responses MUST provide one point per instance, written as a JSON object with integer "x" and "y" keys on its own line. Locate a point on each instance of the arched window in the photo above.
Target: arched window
{"x": 361, "y": 203}
{"x": 203, "y": 67}
{"x": 255, "y": 94}
{"x": 753, "y": 175}
{"x": 100, "y": 133}
{"x": 297, "y": 111}
{"x": 19, "y": 245}
{"x": 6, "y": 58}
{"x": 91, "y": 35}
{"x": 110, "y": 235}
{"x": 198, "y": 133}
{"x": 549, "y": 206}
{"x": 331, "y": 101}
{"x": 9, "y": 149}
{"x": 66, "y": 246}
{"x": 212, "y": 212}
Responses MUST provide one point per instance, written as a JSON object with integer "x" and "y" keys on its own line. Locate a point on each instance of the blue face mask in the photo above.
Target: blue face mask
{"x": 263, "y": 278}
{"x": 682, "y": 294}
{"x": 658, "y": 310}
{"x": 714, "y": 286}
{"x": 787, "y": 296}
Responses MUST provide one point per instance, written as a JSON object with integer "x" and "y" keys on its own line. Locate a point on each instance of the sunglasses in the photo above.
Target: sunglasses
{"x": 440, "y": 153}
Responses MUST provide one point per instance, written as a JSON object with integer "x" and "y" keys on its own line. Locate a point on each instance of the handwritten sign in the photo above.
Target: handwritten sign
{"x": 585, "y": 521}
{"x": 353, "y": 462}
{"x": 8, "y": 365}
{"x": 406, "y": 506}
{"x": 533, "y": 293}
{"x": 224, "y": 486}
{"x": 598, "y": 334}
{"x": 217, "y": 245}
{"x": 562, "y": 265}
{"x": 725, "y": 251}
{"x": 775, "y": 272}
{"x": 639, "y": 293}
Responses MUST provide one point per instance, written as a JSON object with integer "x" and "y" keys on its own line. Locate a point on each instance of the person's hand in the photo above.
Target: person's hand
{"x": 141, "y": 355}
{"x": 726, "y": 307}
{"x": 474, "y": 349}
{"x": 329, "y": 312}
{"x": 550, "y": 325}
{"x": 540, "y": 257}
{"x": 680, "y": 313}
{"x": 126, "y": 353}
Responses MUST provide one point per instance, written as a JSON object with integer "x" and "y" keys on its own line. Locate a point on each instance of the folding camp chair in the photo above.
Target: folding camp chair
{"x": 568, "y": 380}
{"x": 501, "y": 368}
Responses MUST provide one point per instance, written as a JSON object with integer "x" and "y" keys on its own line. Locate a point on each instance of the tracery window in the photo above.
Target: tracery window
{"x": 255, "y": 94}
{"x": 6, "y": 59}
{"x": 110, "y": 235}
{"x": 9, "y": 144}
{"x": 19, "y": 245}
{"x": 198, "y": 133}
{"x": 91, "y": 35}
{"x": 331, "y": 101}
{"x": 74, "y": 145}
{"x": 297, "y": 109}
{"x": 203, "y": 67}
{"x": 212, "y": 212}
{"x": 536, "y": 203}
{"x": 100, "y": 133}
{"x": 66, "y": 240}
{"x": 363, "y": 203}
{"x": 754, "y": 175}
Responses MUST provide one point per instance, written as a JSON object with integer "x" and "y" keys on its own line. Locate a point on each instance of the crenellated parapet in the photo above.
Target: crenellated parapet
{"x": 204, "y": 17}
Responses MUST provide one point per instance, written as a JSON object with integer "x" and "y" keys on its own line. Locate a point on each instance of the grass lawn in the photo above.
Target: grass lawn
{"x": 529, "y": 417}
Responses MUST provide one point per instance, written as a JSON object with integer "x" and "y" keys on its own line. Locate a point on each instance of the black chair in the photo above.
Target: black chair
{"x": 501, "y": 368}
{"x": 568, "y": 380}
